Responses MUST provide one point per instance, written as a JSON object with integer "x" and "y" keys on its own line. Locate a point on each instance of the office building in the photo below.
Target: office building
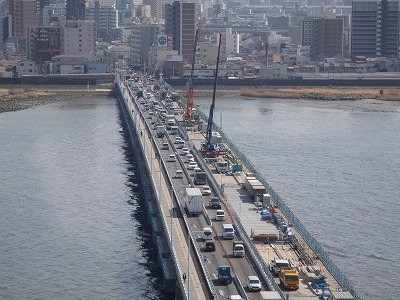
{"x": 23, "y": 14}
{"x": 79, "y": 37}
{"x": 75, "y": 9}
{"x": 375, "y": 28}
{"x": 180, "y": 22}
{"x": 324, "y": 36}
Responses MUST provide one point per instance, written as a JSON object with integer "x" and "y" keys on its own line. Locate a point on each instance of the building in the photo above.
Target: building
{"x": 180, "y": 22}
{"x": 5, "y": 28}
{"x": 23, "y": 14}
{"x": 141, "y": 38}
{"x": 79, "y": 37}
{"x": 324, "y": 36}
{"x": 106, "y": 18}
{"x": 52, "y": 14}
{"x": 43, "y": 43}
{"x": 75, "y": 9}
{"x": 375, "y": 28}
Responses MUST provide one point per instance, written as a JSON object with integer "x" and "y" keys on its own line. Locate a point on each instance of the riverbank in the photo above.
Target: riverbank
{"x": 12, "y": 99}
{"x": 312, "y": 93}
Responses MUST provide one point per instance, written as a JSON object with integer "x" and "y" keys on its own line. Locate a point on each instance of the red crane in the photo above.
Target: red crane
{"x": 188, "y": 115}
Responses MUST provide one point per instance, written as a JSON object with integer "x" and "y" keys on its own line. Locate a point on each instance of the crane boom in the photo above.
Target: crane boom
{"x": 189, "y": 105}
{"x": 209, "y": 146}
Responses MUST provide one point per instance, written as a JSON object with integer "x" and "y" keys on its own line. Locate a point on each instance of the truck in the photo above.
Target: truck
{"x": 222, "y": 165}
{"x": 160, "y": 131}
{"x": 289, "y": 278}
{"x": 224, "y": 274}
{"x": 238, "y": 249}
{"x": 170, "y": 121}
{"x": 194, "y": 201}
{"x": 200, "y": 178}
{"x": 277, "y": 264}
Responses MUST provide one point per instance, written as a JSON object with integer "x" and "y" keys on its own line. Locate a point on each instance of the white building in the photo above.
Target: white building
{"x": 231, "y": 42}
{"x": 79, "y": 37}
{"x": 68, "y": 64}
{"x": 26, "y": 67}
{"x": 274, "y": 71}
{"x": 49, "y": 12}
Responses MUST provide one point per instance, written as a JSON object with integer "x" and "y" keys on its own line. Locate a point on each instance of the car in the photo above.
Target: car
{"x": 165, "y": 146}
{"x": 185, "y": 151}
{"x": 253, "y": 283}
{"x": 192, "y": 165}
{"x": 172, "y": 157}
{"x": 219, "y": 215}
{"x": 197, "y": 169}
{"x": 179, "y": 174}
{"x": 206, "y": 190}
{"x": 215, "y": 202}
{"x": 189, "y": 158}
{"x": 180, "y": 145}
{"x": 207, "y": 234}
{"x": 209, "y": 245}
{"x": 178, "y": 139}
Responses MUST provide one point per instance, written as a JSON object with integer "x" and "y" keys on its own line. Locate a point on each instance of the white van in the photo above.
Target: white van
{"x": 228, "y": 231}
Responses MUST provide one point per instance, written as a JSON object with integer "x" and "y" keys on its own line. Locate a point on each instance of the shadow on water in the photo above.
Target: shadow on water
{"x": 139, "y": 214}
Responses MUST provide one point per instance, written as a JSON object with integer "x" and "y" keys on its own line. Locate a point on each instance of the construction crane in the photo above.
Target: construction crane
{"x": 188, "y": 115}
{"x": 208, "y": 148}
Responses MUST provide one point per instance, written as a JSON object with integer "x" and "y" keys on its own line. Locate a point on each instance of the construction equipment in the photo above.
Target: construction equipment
{"x": 208, "y": 148}
{"x": 188, "y": 115}
{"x": 289, "y": 278}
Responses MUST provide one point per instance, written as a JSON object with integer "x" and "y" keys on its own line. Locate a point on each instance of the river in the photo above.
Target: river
{"x": 336, "y": 164}
{"x": 71, "y": 226}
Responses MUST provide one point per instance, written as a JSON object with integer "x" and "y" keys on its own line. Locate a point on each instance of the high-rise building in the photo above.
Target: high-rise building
{"x": 23, "y": 14}
{"x": 106, "y": 18}
{"x": 5, "y": 28}
{"x": 79, "y": 37}
{"x": 75, "y": 9}
{"x": 180, "y": 21}
{"x": 323, "y": 35}
{"x": 375, "y": 28}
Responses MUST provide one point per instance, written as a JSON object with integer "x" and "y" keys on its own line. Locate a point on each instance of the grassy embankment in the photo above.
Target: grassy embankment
{"x": 317, "y": 93}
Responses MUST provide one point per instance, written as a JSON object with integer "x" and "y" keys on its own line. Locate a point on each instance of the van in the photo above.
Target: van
{"x": 227, "y": 231}
{"x": 220, "y": 215}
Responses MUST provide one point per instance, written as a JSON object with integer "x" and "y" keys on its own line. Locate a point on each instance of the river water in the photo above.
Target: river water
{"x": 337, "y": 166}
{"x": 71, "y": 226}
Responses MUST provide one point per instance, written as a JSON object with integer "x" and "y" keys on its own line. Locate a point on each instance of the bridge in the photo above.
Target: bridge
{"x": 188, "y": 269}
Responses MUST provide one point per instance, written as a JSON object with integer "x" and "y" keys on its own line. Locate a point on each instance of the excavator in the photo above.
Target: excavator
{"x": 188, "y": 115}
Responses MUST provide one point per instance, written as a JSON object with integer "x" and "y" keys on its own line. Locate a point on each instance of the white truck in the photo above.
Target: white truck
{"x": 238, "y": 249}
{"x": 194, "y": 201}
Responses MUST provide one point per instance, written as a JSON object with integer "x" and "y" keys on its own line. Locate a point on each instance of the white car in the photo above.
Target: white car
{"x": 206, "y": 190}
{"x": 179, "y": 174}
{"x": 189, "y": 157}
{"x": 178, "y": 139}
{"x": 220, "y": 215}
{"x": 172, "y": 157}
{"x": 192, "y": 165}
{"x": 185, "y": 151}
{"x": 253, "y": 283}
{"x": 207, "y": 234}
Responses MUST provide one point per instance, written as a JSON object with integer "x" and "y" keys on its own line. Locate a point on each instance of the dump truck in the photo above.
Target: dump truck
{"x": 289, "y": 278}
{"x": 238, "y": 249}
{"x": 194, "y": 201}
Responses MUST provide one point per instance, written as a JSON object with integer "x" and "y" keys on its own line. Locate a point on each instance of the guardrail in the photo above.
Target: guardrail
{"x": 310, "y": 240}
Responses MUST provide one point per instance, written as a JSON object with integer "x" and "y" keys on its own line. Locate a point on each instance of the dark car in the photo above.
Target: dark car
{"x": 215, "y": 202}
{"x": 209, "y": 246}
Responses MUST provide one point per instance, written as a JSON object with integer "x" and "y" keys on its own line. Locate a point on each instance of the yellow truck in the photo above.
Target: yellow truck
{"x": 289, "y": 278}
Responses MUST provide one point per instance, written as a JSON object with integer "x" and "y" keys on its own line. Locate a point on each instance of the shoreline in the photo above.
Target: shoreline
{"x": 14, "y": 99}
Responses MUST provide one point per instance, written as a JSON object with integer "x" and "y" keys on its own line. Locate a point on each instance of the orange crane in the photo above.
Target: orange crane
{"x": 188, "y": 115}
